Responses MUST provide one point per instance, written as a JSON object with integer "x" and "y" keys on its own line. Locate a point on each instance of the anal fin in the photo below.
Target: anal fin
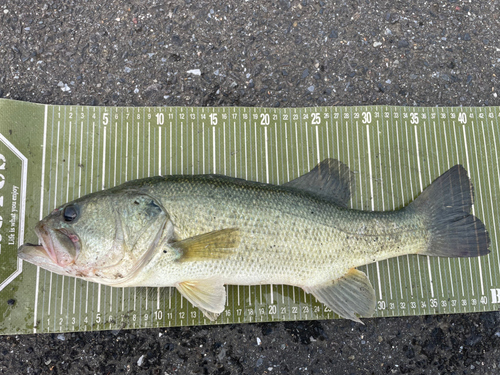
{"x": 209, "y": 295}
{"x": 349, "y": 296}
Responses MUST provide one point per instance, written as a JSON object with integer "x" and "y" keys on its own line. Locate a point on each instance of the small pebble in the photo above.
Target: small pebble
{"x": 403, "y": 43}
{"x": 141, "y": 360}
{"x": 222, "y": 354}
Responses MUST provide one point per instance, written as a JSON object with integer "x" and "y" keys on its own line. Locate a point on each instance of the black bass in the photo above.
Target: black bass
{"x": 198, "y": 233}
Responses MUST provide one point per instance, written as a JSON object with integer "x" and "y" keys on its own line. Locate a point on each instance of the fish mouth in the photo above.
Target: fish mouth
{"x": 37, "y": 255}
{"x": 47, "y": 244}
{"x": 60, "y": 246}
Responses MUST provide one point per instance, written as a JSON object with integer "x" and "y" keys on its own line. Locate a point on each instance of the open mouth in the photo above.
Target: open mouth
{"x": 59, "y": 246}
{"x": 47, "y": 244}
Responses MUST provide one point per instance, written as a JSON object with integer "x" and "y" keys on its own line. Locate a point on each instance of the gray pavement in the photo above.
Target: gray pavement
{"x": 257, "y": 53}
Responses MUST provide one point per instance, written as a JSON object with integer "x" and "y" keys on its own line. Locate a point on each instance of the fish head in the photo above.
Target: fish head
{"x": 104, "y": 237}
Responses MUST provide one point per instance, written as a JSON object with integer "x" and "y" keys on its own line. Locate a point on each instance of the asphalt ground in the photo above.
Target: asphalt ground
{"x": 257, "y": 53}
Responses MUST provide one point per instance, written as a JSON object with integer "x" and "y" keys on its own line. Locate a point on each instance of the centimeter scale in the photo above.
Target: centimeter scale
{"x": 53, "y": 154}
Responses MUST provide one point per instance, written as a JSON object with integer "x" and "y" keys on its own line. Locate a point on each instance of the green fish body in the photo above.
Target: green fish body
{"x": 199, "y": 233}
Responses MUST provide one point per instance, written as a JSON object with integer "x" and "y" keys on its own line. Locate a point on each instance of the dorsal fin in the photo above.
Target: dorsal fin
{"x": 331, "y": 179}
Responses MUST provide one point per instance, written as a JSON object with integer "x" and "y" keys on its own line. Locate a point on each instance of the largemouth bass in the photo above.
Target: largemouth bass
{"x": 198, "y": 233}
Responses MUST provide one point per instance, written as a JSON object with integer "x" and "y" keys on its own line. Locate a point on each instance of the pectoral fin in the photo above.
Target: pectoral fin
{"x": 208, "y": 246}
{"x": 209, "y": 295}
{"x": 349, "y": 296}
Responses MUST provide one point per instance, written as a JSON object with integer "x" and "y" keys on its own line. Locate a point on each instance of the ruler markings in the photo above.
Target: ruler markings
{"x": 149, "y": 150}
{"x": 453, "y": 127}
{"x": 111, "y": 167}
{"x": 431, "y": 282}
{"x": 306, "y": 131}
{"x": 407, "y": 182}
{"x": 256, "y": 154}
{"x": 198, "y": 131}
{"x": 495, "y": 147}
{"x": 393, "y": 193}
{"x": 159, "y": 151}
{"x": 297, "y": 149}
{"x": 97, "y": 187}
{"x": 465, "y": 145}
{"x": 224, "y": 146}
{"x": 478, "y": 194}
{"x": 402, "y": 200}
{"x": 448, "y": 165}
{"x": 338, "y": 140}
{"x": 286, "y": 153}
{"x": 123, "y": 114}
{"x": 42, "y": 191}
{"x": 103, "y": 186}
{"x": 349, "y": 159}
{"x": 181, "y": 127}
{"x": 126, "y": 151}
{"x": 246, "y": 150}
{"x": 412, "y": 260}
{"x": 372, "y": 198}
{"x": 235, "y": 151}
{"x": 170, "y": 170}
{"x": 193, "y": 162}
{"x": 56, "y": 169}
{"x": 68, "y": 162}
{"x": 73, "y": 197}
{"x": 382, "y": 193}
{"x": 277, "y": 182}
{"x": 139, "y": 139}
{"x": 102, "y": 141}
{"x": 460, "y": 261}
{"x": 278, "y": 141}
{"x": 328, "y": 149}
{"x": 490, "y": 189}
{"x": 426, "y": 126}
{"x": 303, "y": 152}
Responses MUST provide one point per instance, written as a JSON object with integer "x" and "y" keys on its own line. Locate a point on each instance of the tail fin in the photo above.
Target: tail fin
{"x": 446, "y": 206}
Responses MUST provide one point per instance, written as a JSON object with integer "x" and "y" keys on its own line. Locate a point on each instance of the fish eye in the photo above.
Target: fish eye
{"x": 70, "y": 213}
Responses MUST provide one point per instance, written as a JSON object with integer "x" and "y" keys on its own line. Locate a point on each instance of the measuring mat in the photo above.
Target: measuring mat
{"x": 50, "y": 155}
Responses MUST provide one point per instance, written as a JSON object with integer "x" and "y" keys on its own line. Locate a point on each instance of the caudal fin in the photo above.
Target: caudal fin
{"x": 446, "y": 206}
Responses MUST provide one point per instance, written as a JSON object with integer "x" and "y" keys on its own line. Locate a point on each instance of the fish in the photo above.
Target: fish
{"x": 198, "y": 233}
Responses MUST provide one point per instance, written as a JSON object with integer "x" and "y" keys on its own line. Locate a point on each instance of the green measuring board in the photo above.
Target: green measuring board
{"x": 53, "y": 154}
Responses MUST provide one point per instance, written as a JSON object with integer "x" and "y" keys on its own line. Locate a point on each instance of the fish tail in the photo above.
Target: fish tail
{"x": 445, "y": 206}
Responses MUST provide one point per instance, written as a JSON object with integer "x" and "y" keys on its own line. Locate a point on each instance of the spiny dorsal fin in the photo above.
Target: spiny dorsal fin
{"x": 349, "y": 296}
{"x": 209, "y": 295}
{"x": 331, "y": 179}
{"x": 208, "y": 246}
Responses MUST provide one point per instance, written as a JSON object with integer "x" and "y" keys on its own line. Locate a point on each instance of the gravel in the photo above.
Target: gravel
{"x": 282, "y": 53}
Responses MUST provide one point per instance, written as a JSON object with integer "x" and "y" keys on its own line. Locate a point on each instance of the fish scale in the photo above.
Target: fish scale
{"x": 310, "y": 250}
{"x": 199, "y": 233}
